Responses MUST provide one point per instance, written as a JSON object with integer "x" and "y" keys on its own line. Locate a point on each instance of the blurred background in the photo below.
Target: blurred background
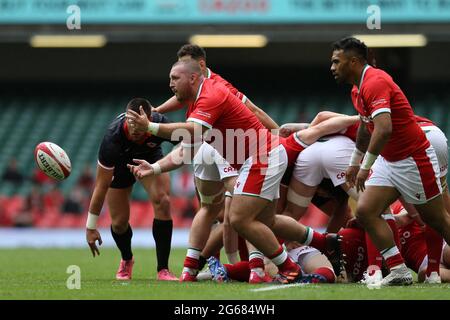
{"x": 68, "y": 68}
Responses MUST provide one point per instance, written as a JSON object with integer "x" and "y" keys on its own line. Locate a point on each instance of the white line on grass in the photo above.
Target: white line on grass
{"x": 282, "y": 286}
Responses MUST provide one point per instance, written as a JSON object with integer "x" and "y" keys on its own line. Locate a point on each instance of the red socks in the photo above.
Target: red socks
{"x": 327, "y": 273}
{"x": 283, "y": 262}
{"x": 374, "y": 257}
{"x": 392, "y": 257}
{"x": 191, "y": 262}
{"x": 239, "y": 271}
{"x": 434, "y": 249}
{"x": 256, "y": 260}
{"x": 316, "y": 240}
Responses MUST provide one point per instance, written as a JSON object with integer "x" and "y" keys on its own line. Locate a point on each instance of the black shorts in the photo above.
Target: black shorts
{"x": 286, "y": 180}
{"x": 123, "y": 178}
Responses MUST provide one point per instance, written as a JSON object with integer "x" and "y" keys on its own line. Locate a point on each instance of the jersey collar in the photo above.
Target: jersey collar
{"x": 199, "y": 90}
{"x": 208, "y": 74}
{"x": 362, "y": 76}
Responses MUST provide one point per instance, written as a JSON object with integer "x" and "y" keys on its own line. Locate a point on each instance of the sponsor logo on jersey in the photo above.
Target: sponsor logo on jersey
{"x": 378, "y": 102}
{"x": 340, "y": 175}
{"x": 228, "y": 169}
{"x": 204, "y": 114}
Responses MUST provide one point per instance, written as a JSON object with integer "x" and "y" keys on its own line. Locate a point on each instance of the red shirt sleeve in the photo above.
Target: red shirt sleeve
{"x": 207, "y": 111}
{"x": 377, "y": 97}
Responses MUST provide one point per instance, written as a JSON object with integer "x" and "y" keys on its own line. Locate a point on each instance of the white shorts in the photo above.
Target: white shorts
{"x": 327, "y": 159}
{"x": 262, "y": 179}
{"x": 439, "y": 142}
{"x": 301, "y": 254}
{"x": 209, "y": 165}
{"x": 416, "y": 177}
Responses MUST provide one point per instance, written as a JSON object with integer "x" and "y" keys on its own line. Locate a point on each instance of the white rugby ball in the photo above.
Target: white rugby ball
{"x": 52, "y": 160}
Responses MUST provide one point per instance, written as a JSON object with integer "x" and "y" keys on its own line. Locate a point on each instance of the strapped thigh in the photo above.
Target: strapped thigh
{"x": 209, "y": 199}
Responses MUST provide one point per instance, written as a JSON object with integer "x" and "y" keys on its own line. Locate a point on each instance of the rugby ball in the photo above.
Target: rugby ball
{"x": 52, "y": 160}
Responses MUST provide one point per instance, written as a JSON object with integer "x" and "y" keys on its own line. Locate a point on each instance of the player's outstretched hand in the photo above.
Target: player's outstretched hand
{"x": 361, "y": 180}
{"x": 91, "y": 237}
{"x": 139, "y": 120}
{"x": 350, "y": 175}
{"x": 143, "y": 168}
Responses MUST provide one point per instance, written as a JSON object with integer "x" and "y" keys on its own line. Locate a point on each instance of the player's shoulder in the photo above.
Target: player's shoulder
{"x": 113, "y": 132}
{"x": 116, "y": 125}
{"x": 159, "y": 118}
{"x": 376, "y": 77}
{"x": 213, "y": 90}
{"x": 376, "y": 80}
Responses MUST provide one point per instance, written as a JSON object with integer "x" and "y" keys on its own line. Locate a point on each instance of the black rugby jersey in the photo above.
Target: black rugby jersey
{"x": 117, "y": 149}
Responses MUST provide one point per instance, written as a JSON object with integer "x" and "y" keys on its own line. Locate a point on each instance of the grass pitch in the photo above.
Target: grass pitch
{"x": 42, "y": 274}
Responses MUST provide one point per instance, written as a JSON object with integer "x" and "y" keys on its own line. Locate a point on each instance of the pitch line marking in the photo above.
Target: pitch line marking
{"x": 281, "y": 286}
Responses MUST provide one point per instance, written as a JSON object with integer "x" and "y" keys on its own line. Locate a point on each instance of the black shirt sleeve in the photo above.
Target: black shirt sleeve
{"x": 109, "y": 153}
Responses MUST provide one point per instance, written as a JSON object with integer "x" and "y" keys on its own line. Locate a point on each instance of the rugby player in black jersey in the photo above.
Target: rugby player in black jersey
{"x": 121, "y": 143}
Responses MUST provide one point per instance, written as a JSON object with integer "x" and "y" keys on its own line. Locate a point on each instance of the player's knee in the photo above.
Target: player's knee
{"x": 269, "y": 222}
{"x": 161, "y": 199}
{"x": 119, "y": 225}
{"x": 161, "y": 204}
{"x": 237, "y": 221}
{"x": 363, "y": 215}
{"x": 216, "y": 199}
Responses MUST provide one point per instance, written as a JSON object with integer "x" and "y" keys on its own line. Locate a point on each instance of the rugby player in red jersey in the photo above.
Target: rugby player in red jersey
{"x": 211, "y": 105}
{"x": 399, "y": 159}
{"x": 191, "y": 51}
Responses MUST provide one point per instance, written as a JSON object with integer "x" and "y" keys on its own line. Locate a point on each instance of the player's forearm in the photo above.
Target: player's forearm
{"x": 174, "y": 131}
{"x": 332, "y": 125}
{"x": 324, "y": 115}
{"x": 170, "y": 105}
{"x": 380, "y": 136}
{"x": 262, "y": 116}
{"x": 362, "y": 138}
{"x": 293, "y": 127}
{"x": 97, "y": 200}
{"x": 172, "y": 160}
{"x": 266, "y": 120}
